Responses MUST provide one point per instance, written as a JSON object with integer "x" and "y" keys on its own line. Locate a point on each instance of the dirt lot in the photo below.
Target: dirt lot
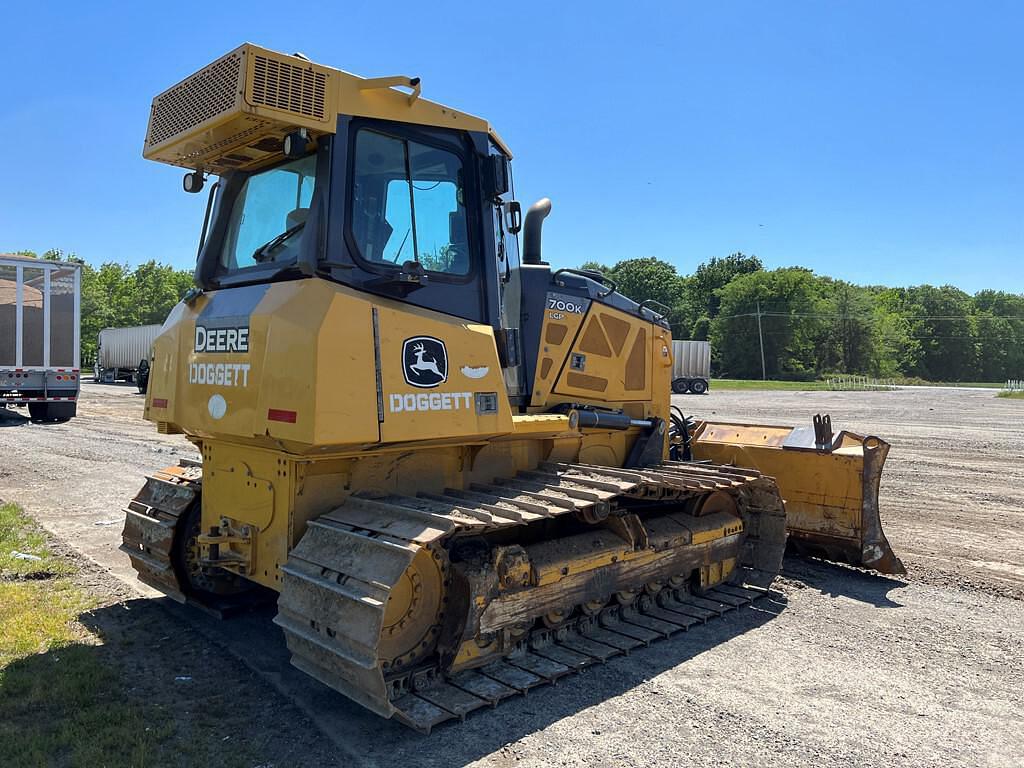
{"x": 952, "y": 496}
{"x": 845, "y": 668}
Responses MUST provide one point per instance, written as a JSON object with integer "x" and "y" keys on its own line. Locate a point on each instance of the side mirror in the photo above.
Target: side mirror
{"x": 497, "y": 176}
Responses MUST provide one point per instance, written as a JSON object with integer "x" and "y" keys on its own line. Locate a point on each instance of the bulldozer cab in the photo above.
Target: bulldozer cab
{"x": 366, "y": 184}
{"x": 413, "y": 213}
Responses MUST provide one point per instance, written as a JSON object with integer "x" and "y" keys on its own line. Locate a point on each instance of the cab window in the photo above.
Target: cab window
{"x": 408, "y": 205}
{"x": 268, "y": 215}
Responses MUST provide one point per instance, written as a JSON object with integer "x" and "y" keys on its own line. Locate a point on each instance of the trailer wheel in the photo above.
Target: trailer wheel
{"x": 680, "y": 386}
{"x": 698, "y": 386}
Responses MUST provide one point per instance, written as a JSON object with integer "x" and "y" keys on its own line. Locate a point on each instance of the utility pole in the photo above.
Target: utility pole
{"x": 760, "y": 336}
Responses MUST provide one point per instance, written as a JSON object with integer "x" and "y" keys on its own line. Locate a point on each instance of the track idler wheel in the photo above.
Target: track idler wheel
{"x": 200, "y": 583}
{"x": 414, "y": 611}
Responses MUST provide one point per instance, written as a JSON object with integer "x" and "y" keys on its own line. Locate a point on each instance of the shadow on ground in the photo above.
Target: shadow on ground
{"x": 154, "y": 691}
{"x": 838, "y": 580}
{"x": 9, "y": 418}
{"x": 178, "y": 659}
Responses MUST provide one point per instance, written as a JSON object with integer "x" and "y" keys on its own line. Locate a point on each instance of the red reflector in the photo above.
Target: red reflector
{"x": 286, "y": 416}
{"x": 159, "y": 402}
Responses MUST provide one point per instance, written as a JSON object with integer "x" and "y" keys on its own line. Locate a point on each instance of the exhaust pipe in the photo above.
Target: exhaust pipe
{"x": 532, "y": 229}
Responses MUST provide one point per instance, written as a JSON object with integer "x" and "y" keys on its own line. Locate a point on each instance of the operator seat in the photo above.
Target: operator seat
{"x": 296, "y": 217}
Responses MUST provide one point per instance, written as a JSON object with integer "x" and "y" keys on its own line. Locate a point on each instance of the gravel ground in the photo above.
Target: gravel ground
{"x": 952, "y": 493}
{"x": 842, "y": 668}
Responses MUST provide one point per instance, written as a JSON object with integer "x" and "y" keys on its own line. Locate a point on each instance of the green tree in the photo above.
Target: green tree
{"x": 649, "y": 278}
{"x": 788, "y": 297}
{"x": 846, "y": 338}
{"x": 940, "y": 321}
{"x": 999, "y": 330}
{"x": 897, "y": 352}
{"x": 702, "y": 290}
{"x": 596, "y": 266}
{"x": 814, "y": 324}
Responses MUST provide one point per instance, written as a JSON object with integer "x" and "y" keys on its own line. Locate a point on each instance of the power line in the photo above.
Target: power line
{"x": 820, "y": 315}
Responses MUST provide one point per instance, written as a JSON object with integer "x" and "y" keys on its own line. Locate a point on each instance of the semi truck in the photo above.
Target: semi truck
{"x": 122, "y": 354}
{"x": 691, "y": 367}
{"x": 40, "y": 305}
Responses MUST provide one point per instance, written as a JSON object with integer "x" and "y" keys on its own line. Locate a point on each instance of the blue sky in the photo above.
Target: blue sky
{"x": 878, "y": 142}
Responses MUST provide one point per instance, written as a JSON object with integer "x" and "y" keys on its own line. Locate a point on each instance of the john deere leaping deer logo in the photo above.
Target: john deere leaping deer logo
{"x": 424, "y": 361}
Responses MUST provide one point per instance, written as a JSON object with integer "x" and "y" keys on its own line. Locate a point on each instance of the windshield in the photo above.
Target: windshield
{"x": 268, "y": 214}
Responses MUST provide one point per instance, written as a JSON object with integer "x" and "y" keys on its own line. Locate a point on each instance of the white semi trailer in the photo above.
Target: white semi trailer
{"x": 691, "y": 367}
{"x": 120, "y": 351}
{"x": 40, "y": 306}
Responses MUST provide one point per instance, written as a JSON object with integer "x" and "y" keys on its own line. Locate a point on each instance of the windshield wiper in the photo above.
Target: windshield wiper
{"x": 260, "y": 254}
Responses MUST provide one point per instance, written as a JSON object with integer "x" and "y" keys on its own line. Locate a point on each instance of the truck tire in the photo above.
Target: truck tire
{"x": 698, "y": 386}
{"x": 58, "y": 412}
{"x": 142, "y": 376}
{"x": 681, "y": 386}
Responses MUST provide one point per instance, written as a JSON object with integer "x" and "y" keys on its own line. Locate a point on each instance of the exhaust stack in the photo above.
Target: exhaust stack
{"x": 532, "y": 227}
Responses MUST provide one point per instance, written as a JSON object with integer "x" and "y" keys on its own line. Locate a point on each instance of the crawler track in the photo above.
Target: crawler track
{"x": 338, "y": 579}
{"x": 151, "y": 521}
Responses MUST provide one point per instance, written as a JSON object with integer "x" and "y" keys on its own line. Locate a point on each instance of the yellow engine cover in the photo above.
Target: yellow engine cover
{"x": 309, "y": 366}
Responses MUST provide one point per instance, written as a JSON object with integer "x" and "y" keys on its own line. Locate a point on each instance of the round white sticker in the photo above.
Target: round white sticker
{"x": 217, "y": 406}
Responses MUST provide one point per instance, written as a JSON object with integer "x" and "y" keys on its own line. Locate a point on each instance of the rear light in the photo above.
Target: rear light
{"x": 288, "y": 417}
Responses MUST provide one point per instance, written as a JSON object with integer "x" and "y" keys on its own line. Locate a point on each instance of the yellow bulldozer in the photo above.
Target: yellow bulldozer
{"x": 459, "y": 472}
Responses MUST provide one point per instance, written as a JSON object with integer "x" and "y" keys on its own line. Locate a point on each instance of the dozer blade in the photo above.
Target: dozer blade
{"x": 829, "y": 484}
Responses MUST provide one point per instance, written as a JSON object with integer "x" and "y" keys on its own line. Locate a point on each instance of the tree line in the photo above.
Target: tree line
{"x": 813, "y": 325}
{"x": 117, "y": 295}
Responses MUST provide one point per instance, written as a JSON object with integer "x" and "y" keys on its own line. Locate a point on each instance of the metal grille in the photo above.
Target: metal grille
{"x": 204, "y": 95}
{"x": 285, "y": 86}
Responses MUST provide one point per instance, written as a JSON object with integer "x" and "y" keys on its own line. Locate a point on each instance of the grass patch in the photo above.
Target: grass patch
{"x": 813, "y": 386}
{"x": 20, "y": 535}
{"x": 63, "y": 699}
{"x": 38, "y": 616}
{"x": 752, "y": 384}
{"x": 923, "y": 383}
{"x": 1011, "y": 395}
{"x": 59, "y": 703}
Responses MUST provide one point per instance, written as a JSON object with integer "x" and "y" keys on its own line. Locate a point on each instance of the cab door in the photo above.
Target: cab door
{"x": 510, "y": 295}
{"x": 407, "y": 224}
